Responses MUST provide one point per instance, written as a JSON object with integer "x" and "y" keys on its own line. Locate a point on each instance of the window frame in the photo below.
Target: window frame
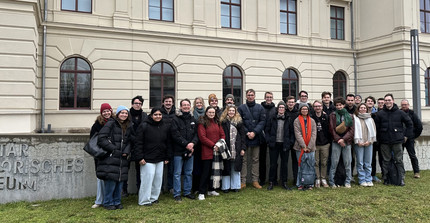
{"x": 162, "y": 75}
{"x": 336, "y": 22}
{"x": 425, "y": 12}
{"x": 161, "y": 12}
{"x": 76, "y": 7}
{"x": 427, "y": 86}
{"x": 230, "y": 4}
{"x": 338, "y": 81}
{"x": 231, "y": 79}
{"x": 75, "y": 84}
{"x": 290, "y": 80}
{"x": 288, "y": 12}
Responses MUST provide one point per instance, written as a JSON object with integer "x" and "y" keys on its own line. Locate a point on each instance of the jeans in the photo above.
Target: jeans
{"x": 254, "y": 152}
{"x": 100, "y": 191}
{"x": 274, "y": 153}
{"x": 337, "y": 150}
{"x": 363, "y": 157}
{"x": 112, "y": 195}
{"x": 178, "y": 162}
{"x": 321, "y": 155}
{"x": 151, "y": 175}
{"x": 232, "y": 181}
{"x": 387, "y": 151}
{"x": 410, "y": 147}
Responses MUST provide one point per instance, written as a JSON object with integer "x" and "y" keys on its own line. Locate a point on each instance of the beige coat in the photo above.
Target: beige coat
{"x": 300, "y": 142}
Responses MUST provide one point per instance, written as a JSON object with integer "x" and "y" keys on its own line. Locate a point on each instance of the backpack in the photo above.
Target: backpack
{"x": 306, "y": 169}
{"x": 340, "y": 175}
{"x": 394, "y": 175}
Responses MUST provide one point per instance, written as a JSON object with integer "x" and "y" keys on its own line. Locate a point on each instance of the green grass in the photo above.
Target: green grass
{"x": 378, "y": 204}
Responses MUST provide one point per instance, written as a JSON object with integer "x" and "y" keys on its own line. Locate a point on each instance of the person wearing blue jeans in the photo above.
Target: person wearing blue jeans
{"x": 112, "y": 193}
{"x": 342, "y": 131}
{"x": 180, "y": 163}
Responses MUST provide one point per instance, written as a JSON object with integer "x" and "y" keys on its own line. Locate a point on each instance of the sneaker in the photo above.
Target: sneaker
{"x": 190, "y": 196}
{"x": 364, "y": 184}
{"x": 333, "y": 186}
{"x": 347, "y": 185}
{"x": 212, "y": 193}
{"x": 369, "y": 184}
{"x": 225, "y": 191}
{"x": 178, "y": 198}
{"x": 317, "y": 183}
{"x": 417, "y": 175}
{"x": 300, "y": 187}
{"x": 324, "y": 183}
{"x": 201, "y": 197}
{"x": 376, "y": 179}
{"x": 155, "y": 202}
{"x": 96, "y": 205}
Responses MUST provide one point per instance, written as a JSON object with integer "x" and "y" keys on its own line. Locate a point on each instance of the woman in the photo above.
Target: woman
{"x": 198, "y": 107}
{"x": 115, "y": 137}
{"x": 152, "y": 149}
{"x": 209, "y": 131}
{"x": 364, "y": 137}
{"x": 102, "y": 119}
{"x": 278, "y": 138}
{"x": 198, "y": 111}
{"x": 305, "y": 131}
{"x": 235, "y": 140}
{"x": 322, "y": 143}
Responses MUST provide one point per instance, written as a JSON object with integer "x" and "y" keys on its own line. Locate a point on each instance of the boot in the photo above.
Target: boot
{"x": 270, "y": 187}
{"x": 242, "y": 185}
{"x": 256, "y": 185}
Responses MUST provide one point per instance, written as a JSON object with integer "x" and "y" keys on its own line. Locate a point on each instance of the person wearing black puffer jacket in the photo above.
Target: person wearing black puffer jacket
{"x": 153, "y": 149}
{"x": 116, "y": 138}
{"x": 270, "y": 109}
{"x": 391, "y": 134}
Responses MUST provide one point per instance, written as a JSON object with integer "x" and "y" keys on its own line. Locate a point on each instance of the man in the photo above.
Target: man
{"x": 328, "y": 106}
{"x": 253, "y": 116}
{"x": 370, "y": 103}
{"x": 137, "y": 117}
{"x": 380, "y": 103}
{"x": 270, "y": 109}
{"x": 303, "y": 98}
{"x": 350, "y": 103}
{"x": 292, "y": 112}
{"x": 184, "y": 137}
{"x": 229, "y": 100}
{"x": 342, "y": 132}
{"x": 168, "y": 111}
{"x": 358, "y": 99}
{"x": 391, "y": 134}
{"x": 410, "y": 143}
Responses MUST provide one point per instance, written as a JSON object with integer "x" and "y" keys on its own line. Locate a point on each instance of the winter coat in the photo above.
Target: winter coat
{"x": 208, "y": 136}
{"x": 112, "y": 139}
{"x": 347, "y": 136}
{"x": 137, "y": 117}
{"x": 184, "y": 131}
{"x": 418, "y": 125}
{"x": 272, "y": 128}
{"x": 328, "y": 110}
{"x": 168, "y": 116}
{"x": 270, "y": 109}
{"x": 254, "y": 120}
{"x": 292, "y": 116}
{"x": 240, "y": 143}
{"x": 323, "y": 132}
{"x": 153, "y": 141}
{"x": 98, "y": 125}
{"x": 389, "y": 125}
{"x": 300, "y": 142}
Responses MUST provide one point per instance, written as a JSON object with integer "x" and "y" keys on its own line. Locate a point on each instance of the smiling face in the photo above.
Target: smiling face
{"x": 185, "y": 106}
{"x": 123, "y": 115}
{"x": 326, "y": 99}
{"x": 213, "y": 102}
{"x": 303, "y": 97}
{"x": 168, "y": 103}
{"x": 357, "y": 99}
{"x": 281, "y": 109}
{"x": 290, "y": 104}
{"x": 369, "y": 103}
{"x": 362, "y": 109}
{"x": 199, "y": 103}
{"x": 231, "y": 112}
{"x": 250, "y": 96}
{"x": 304, "y": 111}
{"x": 339, "y": 106}
{"x": 380, "y": 104}
{"x": 210, "y": 113}
{"x": 157, "y": 116}
{"x": 389, "y": 102}
{"x": 229, "y": 101}
{"x": 269, "y": 98}
{"x": 317, "y": 107}
{"x": 107, "y": 113}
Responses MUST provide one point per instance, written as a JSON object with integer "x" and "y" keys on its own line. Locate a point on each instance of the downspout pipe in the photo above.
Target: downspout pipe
{"x": 42, "y": 116}
{"x": 354, "y": 54}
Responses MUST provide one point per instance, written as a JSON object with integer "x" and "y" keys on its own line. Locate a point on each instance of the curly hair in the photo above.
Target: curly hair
{"x": 224, "y": 116}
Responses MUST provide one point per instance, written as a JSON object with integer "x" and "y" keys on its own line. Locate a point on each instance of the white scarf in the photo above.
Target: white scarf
{"x": 358, "y": 132}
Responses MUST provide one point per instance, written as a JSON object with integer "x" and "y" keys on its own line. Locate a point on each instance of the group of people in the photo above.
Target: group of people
{"x": 210, "y": 147}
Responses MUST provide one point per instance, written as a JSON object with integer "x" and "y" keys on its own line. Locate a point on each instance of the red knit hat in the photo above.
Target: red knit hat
{"x": 104, "y": 107}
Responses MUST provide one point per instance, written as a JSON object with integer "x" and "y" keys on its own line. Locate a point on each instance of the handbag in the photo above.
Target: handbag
{"x": 340, "y": 129}
{"x": 93, "y": 149}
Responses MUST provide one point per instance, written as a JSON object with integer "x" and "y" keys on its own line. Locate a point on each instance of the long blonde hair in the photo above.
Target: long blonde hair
{"x": 194, "y": 103}
{"x": 224, "y": 116}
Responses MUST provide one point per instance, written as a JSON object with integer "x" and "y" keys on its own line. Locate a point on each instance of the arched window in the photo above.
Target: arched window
{"x": 427, "y": 86}
{"x": 75, "y": 84}
{"x": 290, "y": 83}
{"x": 339, "y": 85}
{"x": 162, "y": 82}
{"x": 232, "y": 84}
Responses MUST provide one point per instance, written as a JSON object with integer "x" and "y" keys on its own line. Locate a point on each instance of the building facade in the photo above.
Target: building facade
{"x": 112, "y": 50}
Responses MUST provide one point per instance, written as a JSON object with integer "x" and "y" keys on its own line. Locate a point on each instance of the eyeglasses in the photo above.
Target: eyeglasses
{"x": 137, "y": 103}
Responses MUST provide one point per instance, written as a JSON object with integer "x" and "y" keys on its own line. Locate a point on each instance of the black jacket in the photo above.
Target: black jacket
{"x": 184, "y": 131}
{"x": 270, "y": 110}
{"x": 272, "y": 128}
{"x": 389, "y": 125}
{"x": 168, "y": 116}
{"x": 293, "y": 114}
{"x": 323, "y": 132}
{"x": 352, "y": 110}
{"x": 116, "y": 143}
{"x": 137, "y": 117}
{"x": 328, "y": 110}
{"x": 418, "y": 125}
{"x": 240, "y": 143}
{"x": 254, "y": 120}
{"x": 153, "y": 141}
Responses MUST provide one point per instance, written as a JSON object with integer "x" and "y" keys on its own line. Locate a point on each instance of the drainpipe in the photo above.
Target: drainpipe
{"x": 45, "y": 18}
{"x": 354, "y": 54}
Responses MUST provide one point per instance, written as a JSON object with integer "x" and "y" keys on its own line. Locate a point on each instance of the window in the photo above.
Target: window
{"x": 288, "y": 17}
{"x": 337, "y": 19}
{"x": 162, "y": 82}
{"x": 230, "y": 14}
{"x": 339, "y": 85}
{"x": 427, "y": 86}
{"x": 290, "y": 83}
{"x": 425, "y": 16}
{"x": 161, "y": 10}
{"x": 76, "y": 5}
{"x": 232, "y": 84}
{"x": 75, "y": 84}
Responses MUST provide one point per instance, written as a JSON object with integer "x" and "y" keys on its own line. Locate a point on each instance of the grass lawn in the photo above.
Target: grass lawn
{"x": 358, "y": 204}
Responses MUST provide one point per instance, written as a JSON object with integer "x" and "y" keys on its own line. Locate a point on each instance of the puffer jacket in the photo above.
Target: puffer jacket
{"x": 254, "y": 122}
{"x": 184, "y": 131}
{"x": 272, "y": 129}
{"x": 112, "y": 139}
{"x": 418, "y": 125}
{"x": 389, "y": 125}
{"x": 270, "y": 109}
{"x": 239, "y": 144}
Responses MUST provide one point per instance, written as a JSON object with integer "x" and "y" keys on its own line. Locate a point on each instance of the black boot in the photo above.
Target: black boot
{"x": 270, "y": 187}
{"x": 285, "y": 186}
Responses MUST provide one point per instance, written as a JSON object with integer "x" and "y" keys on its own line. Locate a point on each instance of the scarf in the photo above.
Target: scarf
{"x": 358, "y": 137}
{"x": 346, "y": 117}
{"x": 198, "y": 112}
{"x": 217, "y": 167}
{"x": 278, "y": 116}
{"x": 233, "y": 134}
{"x": 136, "y": 114}
{"x": 306, "y": 128}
